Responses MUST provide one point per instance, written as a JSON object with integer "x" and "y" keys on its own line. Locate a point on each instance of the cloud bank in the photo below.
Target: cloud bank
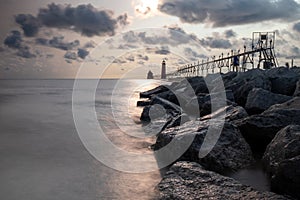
{"x": 85, "y": 19}
{"x": 221, "y": 13}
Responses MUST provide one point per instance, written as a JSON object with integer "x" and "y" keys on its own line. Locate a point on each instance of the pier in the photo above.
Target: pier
{"x": 260, "y": 55}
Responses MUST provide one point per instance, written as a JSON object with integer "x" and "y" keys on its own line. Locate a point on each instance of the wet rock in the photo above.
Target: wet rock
{"x": 283, "y": 80}
{"x": 260, "y": 100}
{"x": 243, "y": 83}
{"x": 259, "y": 130}
{"x": 231, "y": 152}
{"x": 156, "y": 100}
{"x": 203, "y": 103}
{"x": 232, "y": 113}
{"x": 228, "y": 77}
{"x": 143, "y": 103}
{"x": 189, "y": 181}
{"x": 297, "y": 90}
{"x": 282, "y": 161}
{"x": 156, "y": 90}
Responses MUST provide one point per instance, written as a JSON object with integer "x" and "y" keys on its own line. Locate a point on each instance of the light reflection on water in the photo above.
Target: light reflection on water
{"x": 40, "y": 152}
{"x": 42, "y": 157}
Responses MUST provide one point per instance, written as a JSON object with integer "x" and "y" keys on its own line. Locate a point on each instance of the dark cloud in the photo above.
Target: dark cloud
{"x": 222, "y": 13}
{"x": 58, "y": 42}
{"x": 70, "y": 55}
{"x": 90, "y": 44}
{"x": 29, "y": 24}
{"x": 141, "y": 57}
{"x": 216, "y": 43}
{"x": 25, "y": 53}
{"x": 193, "y": 55}
{"x": 296, "y": 27}
{"x": 85, "y": 19}
{"x": 164, "y": 50}
{"x": 230, "y": 34}
{"x": 174, "y": 37}
{"x": 13, "y": 40}
{"x": 82, "y": 53}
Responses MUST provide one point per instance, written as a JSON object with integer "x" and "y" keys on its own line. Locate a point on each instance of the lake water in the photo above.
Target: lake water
{"x": 41, "y": 155}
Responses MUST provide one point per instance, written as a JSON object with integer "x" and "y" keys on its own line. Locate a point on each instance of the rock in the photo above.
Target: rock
{"x": 259, "y": 130}
{"x": 231, "y": 152}
{"x": 142, "y": 103}
{"x": 203, "y": 104}
{"x": 227, "y": 78}
{"x": 168, "y": 95}
{"x": 282, "y": 161}
{"x": 243, "y": 83}
{"x": 286, "y": 177}
{"x": 156, "y": 100}
{"x": 283, "y": 80}
{"x": 296, "y": 70}
{"x": 260, "y": 100}
{"x": 189, "y": 181}
{"x": 156, "y": 90}
{"x": 232, "y": 113}
{"x": 297, "y": 90}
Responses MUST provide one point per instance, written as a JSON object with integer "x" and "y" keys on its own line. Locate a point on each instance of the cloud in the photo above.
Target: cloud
{"x": 173, "y": 36}
{"x": 193, "y": 55}
{"x": 230, "y": 34}
{"x": 29, "y": 24}
{"x": 141, "y": 57}
{"x": 164, "y": 50}
{"x": 119, "y": 61}
{"x": 143, "y": 11}
{"x": 90, "y": 44}
{"x": 296, "y": 27}
{"x": 58, "y": 42}
{"x": 25, "y": 53}
{"x": 85, "y": 19}
{"x": 14, "y": 39}
{"x": 130, "y": 58}
{"x": 82, "y": 53}
{"x": 216, "y": 43}
{"x": 222, "y": 13}
{"x": 70, "y": 55}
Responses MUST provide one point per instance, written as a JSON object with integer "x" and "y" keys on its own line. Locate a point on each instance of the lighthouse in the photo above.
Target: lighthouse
{"x": 163, "y": 70}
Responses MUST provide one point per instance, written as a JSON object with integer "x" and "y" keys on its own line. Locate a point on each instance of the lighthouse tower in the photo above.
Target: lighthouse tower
{"x": 163, "y": 70}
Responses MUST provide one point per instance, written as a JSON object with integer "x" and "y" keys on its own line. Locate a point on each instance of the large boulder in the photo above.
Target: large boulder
{"x": 203, "y": 103}
{"x": 189, "y": 181}
{"x": 232, "y": 113}
{"x": 243, "y": 83}
{"x": 297, "y": 90}
{"x": 283, "y": 80}
{"x": 157, "y": 90}
{"x": 259, "y": 130}
{"x": 282, "y": 161}
{"x": 231, "y": 152}
{"x": 260, "y": 100}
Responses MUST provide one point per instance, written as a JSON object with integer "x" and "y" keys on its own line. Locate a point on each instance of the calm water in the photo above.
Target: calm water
{"x": 42, "y": 156}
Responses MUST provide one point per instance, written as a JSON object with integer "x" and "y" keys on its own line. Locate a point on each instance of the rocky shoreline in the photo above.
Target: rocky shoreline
{"x": 258, "y": 113}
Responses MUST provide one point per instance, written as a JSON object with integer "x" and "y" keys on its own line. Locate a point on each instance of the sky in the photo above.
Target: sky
{"x": 43, "y": 39}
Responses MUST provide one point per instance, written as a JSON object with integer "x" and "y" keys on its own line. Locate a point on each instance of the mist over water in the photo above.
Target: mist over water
{"x": 42, "y": 156}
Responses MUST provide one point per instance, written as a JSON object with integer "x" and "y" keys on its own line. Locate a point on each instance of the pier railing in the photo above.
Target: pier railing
{"x": 262, "y": 51}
